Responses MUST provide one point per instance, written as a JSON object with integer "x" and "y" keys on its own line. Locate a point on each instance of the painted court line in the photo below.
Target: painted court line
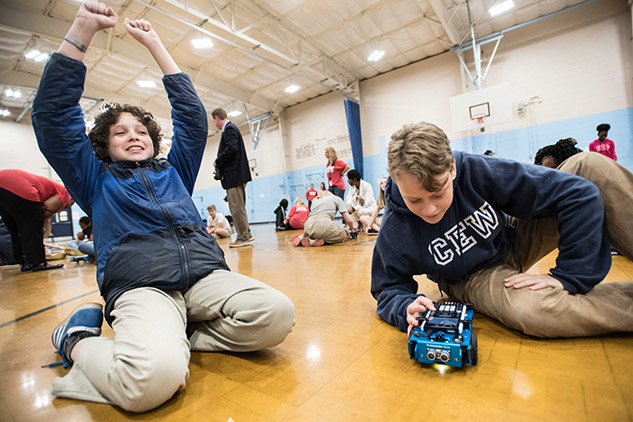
{"x": 46, "y": 309}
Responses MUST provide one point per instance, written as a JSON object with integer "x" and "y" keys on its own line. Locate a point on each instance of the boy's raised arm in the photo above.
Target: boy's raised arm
{"x": 92, "y": 17}
{"x": 142, "y": 31}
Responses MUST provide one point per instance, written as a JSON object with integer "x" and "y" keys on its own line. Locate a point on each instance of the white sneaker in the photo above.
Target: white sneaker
{"x": 240, "y": 243}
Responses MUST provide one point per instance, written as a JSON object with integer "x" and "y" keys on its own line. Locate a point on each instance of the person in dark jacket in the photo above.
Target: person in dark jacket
{"x": 280, "y": 216}
{"x": 232, "y": 167}
{"x": 166, "y": 285}
{"x": 476, "y": 224}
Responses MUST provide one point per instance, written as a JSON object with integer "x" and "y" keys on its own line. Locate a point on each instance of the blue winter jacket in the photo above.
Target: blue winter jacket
{"x": 147, "y": 230}
{"x": 474, "y": 234}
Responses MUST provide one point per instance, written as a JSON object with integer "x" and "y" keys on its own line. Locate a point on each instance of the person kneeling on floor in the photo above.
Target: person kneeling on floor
{"x": 320, "y": 227}
{"x": 476, "y": 224}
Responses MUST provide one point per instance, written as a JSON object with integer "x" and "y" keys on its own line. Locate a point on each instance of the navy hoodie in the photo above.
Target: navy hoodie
{"x": 473, "y": 234}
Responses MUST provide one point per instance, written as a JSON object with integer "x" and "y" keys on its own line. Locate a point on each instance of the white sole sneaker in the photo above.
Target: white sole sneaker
{"x": 240, "y": 244}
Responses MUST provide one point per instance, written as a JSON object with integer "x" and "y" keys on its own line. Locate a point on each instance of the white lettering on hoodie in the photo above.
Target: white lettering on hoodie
{"x": 458, "y": 239}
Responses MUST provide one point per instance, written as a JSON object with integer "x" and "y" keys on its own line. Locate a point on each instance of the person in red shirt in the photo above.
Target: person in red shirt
{"x": 603, "y": 145}
{"x": 298, "y": 215}
{"x": 335, "y": 170}
{"x": 310, "y": 195}
{"x": 26, "y": 202}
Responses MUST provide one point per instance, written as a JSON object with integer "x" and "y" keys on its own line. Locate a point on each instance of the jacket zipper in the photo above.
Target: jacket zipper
{"x": 183, "y": 253}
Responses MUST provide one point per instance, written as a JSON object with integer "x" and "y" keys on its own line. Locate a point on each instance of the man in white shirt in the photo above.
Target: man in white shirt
{"x": 217, "y": 225}
{"x": 360, "y": 198}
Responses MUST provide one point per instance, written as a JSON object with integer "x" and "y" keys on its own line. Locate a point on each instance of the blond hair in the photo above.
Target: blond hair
{"x": 331, "y": 152}
{"x": 422, "y": 150}
{"x": 299, "y": 201}
{"x": 210, "y": 207}
{"x": 381, "y": 195}
{"x": 323, "y": 193}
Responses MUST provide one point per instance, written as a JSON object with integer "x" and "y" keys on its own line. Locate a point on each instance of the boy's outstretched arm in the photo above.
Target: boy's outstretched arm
{"x": 92, "y": 17}
{"x": 142, "y": 31}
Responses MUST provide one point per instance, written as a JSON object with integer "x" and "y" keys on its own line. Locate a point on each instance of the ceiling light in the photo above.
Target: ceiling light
{"x": 202, "y": 43}
{"x": 376, "y": 55}
{"x": 41, "y": 57}
{"x": 12, "y": 94}
{"x": 291, "y": 89}
{"x": 32, "y": 54}
{"x": 234, "y": 113}
{"x": 5, "y": 112}
{"x": 501, "y": 7}
{"x": 146, "y": 84}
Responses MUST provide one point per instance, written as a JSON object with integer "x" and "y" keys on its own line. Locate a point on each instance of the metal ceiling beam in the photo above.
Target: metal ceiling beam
{"x": 438, "y": 8}
{"x": 495, "y": 36}
{"x": 290, "y": 64}
{"x": 54, "y": 28}
{"x": 347, "y": 79}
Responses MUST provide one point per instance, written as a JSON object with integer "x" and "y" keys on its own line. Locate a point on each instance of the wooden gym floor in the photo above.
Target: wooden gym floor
{"x": 341, "y": 363}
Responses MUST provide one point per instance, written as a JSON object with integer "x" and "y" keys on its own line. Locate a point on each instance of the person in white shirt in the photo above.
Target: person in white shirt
{"x": 360, "y": 199}
{"x": 217, "y": 225}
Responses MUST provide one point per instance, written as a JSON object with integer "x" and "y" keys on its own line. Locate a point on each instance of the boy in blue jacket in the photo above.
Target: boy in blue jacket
{"x": 475, "y": 224}
{"x": 166, "y": 285}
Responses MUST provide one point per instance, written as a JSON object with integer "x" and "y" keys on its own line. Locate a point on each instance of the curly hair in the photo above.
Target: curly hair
{"x": 560, "y": 151}
{"x": 603, "y": 127}
{"x": 100, "y": 133}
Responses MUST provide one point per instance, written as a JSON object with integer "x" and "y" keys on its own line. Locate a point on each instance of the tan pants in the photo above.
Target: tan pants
{"x": 222, "y": 233}
{"x": 147, "y": 360}
{"x": 321, "y": 226}
{"x": 552, "y": 312}
{"x": 237, "y": 204}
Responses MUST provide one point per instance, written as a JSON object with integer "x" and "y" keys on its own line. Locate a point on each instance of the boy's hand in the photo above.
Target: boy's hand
{"x": 96, "y": 15}
{"x": 142, "y": 31}
{"x": 532, "y": 281}
{"x": 417, "y": 308}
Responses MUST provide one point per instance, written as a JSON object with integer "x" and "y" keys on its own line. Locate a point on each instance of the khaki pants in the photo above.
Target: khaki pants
{"x": 147, "y": 360}
{"x": 222, "y": 233}
{"x": 552, "y": 312}
{"x": 321, "y": 226}
{"x": 237, "y": 204}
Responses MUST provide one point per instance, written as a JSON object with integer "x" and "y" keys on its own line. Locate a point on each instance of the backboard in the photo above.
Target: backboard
{"x": 488, "y": 106}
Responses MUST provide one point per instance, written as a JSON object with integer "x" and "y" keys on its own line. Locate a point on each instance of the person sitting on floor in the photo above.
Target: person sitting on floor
{"x": 84, "y": 235}
{"x": 167, "y": 287}
{"x": 217, "y": 226}
{"x": 372, "y": 223}
{"x": 360, "y": 198}
{"x": 320, "y": 228}
{"x": 298, "y": 215}
{"x": 280, "y": 216}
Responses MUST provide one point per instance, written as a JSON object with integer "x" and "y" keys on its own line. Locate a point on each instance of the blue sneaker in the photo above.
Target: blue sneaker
{"x": 86, "y": 318}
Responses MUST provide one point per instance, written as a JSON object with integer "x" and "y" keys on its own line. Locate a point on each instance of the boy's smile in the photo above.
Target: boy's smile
{"x": 129, "y": 140}
{"x": 429, "y": 206}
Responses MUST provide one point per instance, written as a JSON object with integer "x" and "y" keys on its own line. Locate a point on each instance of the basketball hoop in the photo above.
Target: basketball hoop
{"x": 479, "y": 118}
{"x": 479, "y": 112}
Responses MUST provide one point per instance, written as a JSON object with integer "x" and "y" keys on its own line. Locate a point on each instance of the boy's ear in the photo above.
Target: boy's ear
{"x": 453, "y": 170}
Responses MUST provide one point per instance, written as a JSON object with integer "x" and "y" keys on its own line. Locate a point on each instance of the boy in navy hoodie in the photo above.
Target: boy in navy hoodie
{"x": 166, "y": 285}
{"x": 475, "y": 224}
